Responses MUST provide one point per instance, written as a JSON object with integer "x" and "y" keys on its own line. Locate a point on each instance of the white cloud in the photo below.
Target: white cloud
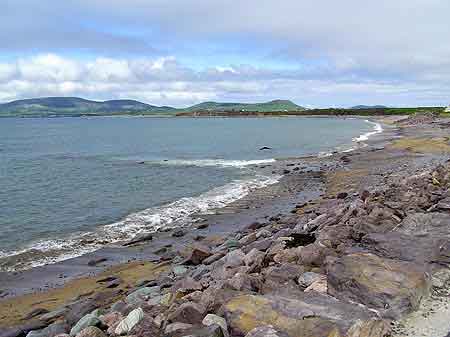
{"x": 165, "y": 81}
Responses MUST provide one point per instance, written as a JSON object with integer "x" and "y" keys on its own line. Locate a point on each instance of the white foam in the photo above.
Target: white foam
{"x": 178, "y": 213}
{"x": 214, "y": 162}
{"x": 376, "y": 129}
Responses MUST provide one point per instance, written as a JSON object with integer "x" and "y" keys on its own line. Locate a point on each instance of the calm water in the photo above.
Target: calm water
{"x": 67, "y": 179}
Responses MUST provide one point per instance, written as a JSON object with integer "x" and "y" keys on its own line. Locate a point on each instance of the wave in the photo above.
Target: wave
{"x": 176, "y": 214}
{"x": 376, "y": 129}
{"x": 212, "y": 162}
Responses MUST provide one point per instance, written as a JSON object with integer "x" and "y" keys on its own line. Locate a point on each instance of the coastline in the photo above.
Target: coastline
{"x": 298, "y": 194}
{"x": 172, "y": 215}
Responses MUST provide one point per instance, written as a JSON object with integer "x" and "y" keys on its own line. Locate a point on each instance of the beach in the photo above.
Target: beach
{"x": 302, "y": 242}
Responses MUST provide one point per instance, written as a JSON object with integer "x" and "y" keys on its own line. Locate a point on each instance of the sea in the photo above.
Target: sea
{"x": 69, "y": 186}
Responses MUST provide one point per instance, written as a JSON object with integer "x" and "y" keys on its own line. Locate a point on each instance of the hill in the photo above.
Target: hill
{"x": 74, "y": 106}
{"x": 272, "y": 106}
{"x": 369, "y": 107}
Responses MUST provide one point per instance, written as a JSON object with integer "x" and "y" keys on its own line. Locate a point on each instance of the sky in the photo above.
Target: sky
{"x": 320, "y": 53}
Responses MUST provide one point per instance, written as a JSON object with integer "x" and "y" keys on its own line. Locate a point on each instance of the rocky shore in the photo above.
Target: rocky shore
{"x": 367, "y": 254}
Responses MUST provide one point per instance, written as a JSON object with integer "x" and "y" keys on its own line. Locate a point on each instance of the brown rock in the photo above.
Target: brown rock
{"x": 390, "y": 286}
{"x": 197, "y": 254}
{"x": 189, "y": 312}
{"x": 309, "y": 314}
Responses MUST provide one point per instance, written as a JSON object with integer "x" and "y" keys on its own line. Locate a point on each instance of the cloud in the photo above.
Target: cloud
{"x": 321, "y": 52}
{"x": 166, "y": 81}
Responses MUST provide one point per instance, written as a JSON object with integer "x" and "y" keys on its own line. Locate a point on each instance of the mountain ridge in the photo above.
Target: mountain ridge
{"x": 76, "y": 106}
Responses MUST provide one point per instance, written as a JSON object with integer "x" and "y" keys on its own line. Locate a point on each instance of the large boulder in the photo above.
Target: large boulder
{"x": 390, "y": 286}
{"x": 309, "y": 314}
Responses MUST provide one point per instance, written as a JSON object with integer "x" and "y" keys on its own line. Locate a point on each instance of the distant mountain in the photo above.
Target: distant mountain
{"x": 74, "y": 106}
{"x": 369, "y": 107}
{"x": 272, "y": 106}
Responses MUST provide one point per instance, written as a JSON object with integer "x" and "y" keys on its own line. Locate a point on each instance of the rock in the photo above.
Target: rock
{"x": 265, "y": 148}
{"x": 22, "y": 330}
{"x": 78, "y": 309}
{"x": 178, "y": 233}
{"x": 261, "y": 245}
{"x": 213, "y": 258}
{"x": 143, "y": 237}
{"x": 309, "y": 314}
{"x": 52, "y": 315}
{"x": 142, "y": 294}
{"x": 244, "y": 281}
{"x": 342, "y": 195}
{"x": 202, "y": 226}
{"x": 211, "y": 319}
{"x": 111, "y": 319}
{"x": 36, "y": 312}
{"x": 364, "y": 194}
{"x": 255, "y": 225}
{"x": 320, "y": 286}
{"x": 291, "y": 255}
{"x": 313, "y": 255}
{"x": 208, "y": 331}
{"x": 226, "y": 267}
{"x": 281, "y": 277}
{"x": 254, "y": 259}
{"x": 265, "y": 331}
{"x": 393, "y": 287}
{"x": 179, "y": 270}
{"x": 186, "y": 286}
{"x": 197, "y": 254}
{"x": 94, "y": 262}
{"x": 86, "y": 321}
{"x": 188, "y": 312}
{"x": 231, "y": 244}
{"x": 175, "y": 327}
{"x": 248, "y": 239}
{"x": 121, "y": 306}
{"x": 308, "y": 278}
{"x": 370, "y": 328}
{"x": 91, "y": 331}
{"x": 129, "y": 322}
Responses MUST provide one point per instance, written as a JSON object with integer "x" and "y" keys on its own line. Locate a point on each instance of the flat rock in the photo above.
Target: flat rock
{"x": 309, "y": 314}
{"x": 393, "y": 287}
{"x": 140, "y": 238}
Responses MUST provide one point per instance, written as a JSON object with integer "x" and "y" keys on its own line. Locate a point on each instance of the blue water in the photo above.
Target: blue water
{"x": 64, "y": 179}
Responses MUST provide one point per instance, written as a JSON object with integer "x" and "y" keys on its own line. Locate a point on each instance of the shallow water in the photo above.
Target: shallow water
{"x": 70, "y": 185}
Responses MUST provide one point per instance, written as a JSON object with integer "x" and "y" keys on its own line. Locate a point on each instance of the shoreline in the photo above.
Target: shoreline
{"x": 106, "y": 237}
{"x": 298, "y": 197}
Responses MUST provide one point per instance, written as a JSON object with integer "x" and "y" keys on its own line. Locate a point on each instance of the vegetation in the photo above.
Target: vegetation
{"x": 272, "y": 106}
{"x": 73, "y": 106}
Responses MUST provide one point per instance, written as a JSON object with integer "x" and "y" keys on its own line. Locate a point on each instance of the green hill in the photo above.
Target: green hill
{"x": 73, "y": 106}
{"x": 276, "y": 105}
{"x": 369, "y": 107}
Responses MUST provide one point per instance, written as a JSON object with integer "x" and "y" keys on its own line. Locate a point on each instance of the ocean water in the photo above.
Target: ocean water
{"x": 72, "y": 185}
